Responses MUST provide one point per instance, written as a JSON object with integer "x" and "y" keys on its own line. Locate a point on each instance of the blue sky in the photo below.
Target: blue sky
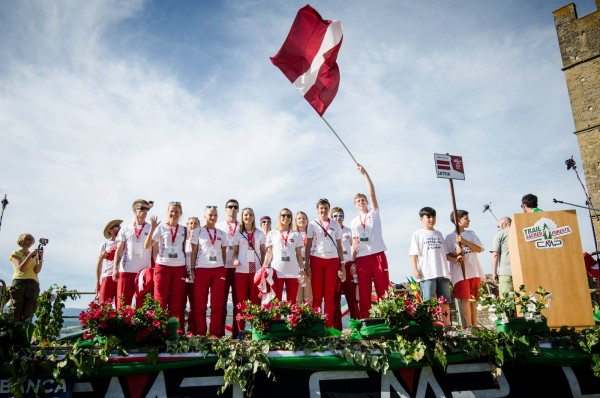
{"x": 105, "y": 102}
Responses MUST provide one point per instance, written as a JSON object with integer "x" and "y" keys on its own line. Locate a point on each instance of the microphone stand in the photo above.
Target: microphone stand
{"x": 588, "y": 201}
{"x": 4, "y": 203}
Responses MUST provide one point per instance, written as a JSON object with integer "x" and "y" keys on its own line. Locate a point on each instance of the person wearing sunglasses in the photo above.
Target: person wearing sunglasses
{"x": 284, "y": 255}
{"x": 325, "y": 258}
{"x": 170, "y": 270}
{"x": 349, "y": 286}
{"x": 210, "y": 275}
{"x": 230, "y": 227}
{"x": 368, "y": 248}
{"x": 305, "y": 285}
{"x": 248, "y": 252}
{"x": 131, "y": 256}
{"x": 106, "y": 287}
{"x": 265, "y": 224}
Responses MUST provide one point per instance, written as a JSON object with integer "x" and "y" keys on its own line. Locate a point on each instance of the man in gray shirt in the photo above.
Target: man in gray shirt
{"x": 500, "y": 259}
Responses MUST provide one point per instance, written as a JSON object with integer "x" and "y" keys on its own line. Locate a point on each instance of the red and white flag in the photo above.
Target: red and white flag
{"x": 308, "y": 57}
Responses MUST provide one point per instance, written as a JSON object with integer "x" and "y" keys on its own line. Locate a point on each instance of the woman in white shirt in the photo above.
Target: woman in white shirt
{"x": 248, "y": 252}
{"x": 304, "y": 292}
{"x": 170, "y": 270}
{"x": 284, "y": 255}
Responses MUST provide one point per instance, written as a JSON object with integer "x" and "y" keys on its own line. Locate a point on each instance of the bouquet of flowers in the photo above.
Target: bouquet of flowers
{"x": 402, "y": 310}
{"x": 148, "y": 324}
{"x": 296, "y": 315}
{"x": 504, "y": 307}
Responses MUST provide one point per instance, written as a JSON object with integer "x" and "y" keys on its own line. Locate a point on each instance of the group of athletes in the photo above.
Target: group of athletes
{"x": 200, "y": 261}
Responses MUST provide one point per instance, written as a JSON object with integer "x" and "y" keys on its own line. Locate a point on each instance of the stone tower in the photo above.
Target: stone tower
{"x": 579, "y": 41}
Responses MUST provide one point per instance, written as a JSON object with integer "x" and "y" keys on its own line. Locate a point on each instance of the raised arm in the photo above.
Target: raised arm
{"x": 370, "y": 187}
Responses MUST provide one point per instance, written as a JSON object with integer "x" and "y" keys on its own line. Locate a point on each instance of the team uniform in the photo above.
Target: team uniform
{"x": 135, "y": 259}
{"x": 283, "y": 245}
{"x": 429, "y": 246}
{"x": 108, "y": 287}
{"x": 324, "y": 264}
{"x": 304, "y": 292}
{"x": 371, "y": 261}
{"x": 210, "y": 275}
{"x": 249, "y": 256}
{"x": 189, "y": 285}
{"x": 465, "y": 287}
{"x": 348, "y": 287}
{"x": 170, "y": 270}
{"x": 231, "y": 230}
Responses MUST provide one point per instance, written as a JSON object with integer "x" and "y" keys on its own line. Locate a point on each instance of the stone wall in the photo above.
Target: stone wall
{"x": 579, "y": 41}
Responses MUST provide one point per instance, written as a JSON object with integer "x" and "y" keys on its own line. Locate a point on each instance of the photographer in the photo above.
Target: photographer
{"x": 25, "y": 287}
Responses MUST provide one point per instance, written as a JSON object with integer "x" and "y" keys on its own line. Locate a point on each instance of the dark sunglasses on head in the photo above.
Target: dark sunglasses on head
{"x": 233, "y": 206}
{"x": 211, "y": 207}
{"x": 174, "y": 203}
{"x": 143, "y": 208}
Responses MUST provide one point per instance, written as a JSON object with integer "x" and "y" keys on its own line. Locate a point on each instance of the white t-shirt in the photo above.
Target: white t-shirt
{"x": 210, "y": 242}
{"x": 472, "y": 266}
{"x": 245, "y": 253}
{"x": 231, "y": 231}
{"x": 188, "y": 246}
{"x": 367, "y": 228}
{"x": 284, "y": 246}
{"x": 347, "y": 243}
{"x": 170, "y": 245}
{"x": 135, "y": 256}
{"x": 322, "y": 245}
{"x": 110, "y": 247}
{"x": 430, "y": 248}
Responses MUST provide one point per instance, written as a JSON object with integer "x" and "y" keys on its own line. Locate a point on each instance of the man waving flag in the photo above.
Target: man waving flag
{"x": 308, "y": 57}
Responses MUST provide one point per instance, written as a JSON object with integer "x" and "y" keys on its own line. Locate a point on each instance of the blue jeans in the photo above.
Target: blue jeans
{"x": 436, "y": 287}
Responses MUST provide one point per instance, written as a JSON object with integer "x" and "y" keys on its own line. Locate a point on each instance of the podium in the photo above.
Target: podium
{"x": 545, "y": 250}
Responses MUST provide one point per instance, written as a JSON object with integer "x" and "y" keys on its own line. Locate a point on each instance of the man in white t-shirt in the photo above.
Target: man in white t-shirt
{"x": 131, "y": 256}
{"x": 325, "y": 257}
{"x": 368, "y": 248}
{"x": 230, "y": 228}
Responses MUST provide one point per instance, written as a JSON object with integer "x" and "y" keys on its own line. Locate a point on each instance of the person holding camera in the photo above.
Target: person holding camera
{"x": 25, "y": 287}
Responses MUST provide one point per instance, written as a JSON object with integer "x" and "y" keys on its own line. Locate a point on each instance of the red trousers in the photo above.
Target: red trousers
{"x": 108, "y": 290}
{"x": 169, "y": 289}
{"x": 212, "y": 279}
{"x": 348, "y": 287}
{"x": 189, "y": 296}
{"x": 324, "y": 279}
{"x": 371, "y": 268}
{"x": 126, "y": 290}
{"x": 230, "y": 285}
{"x": 246, "y": 290}
{"x": 291, "y": 287}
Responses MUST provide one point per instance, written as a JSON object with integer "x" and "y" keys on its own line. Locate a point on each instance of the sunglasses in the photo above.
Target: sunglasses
{"x": 266, "y": 222}
{"x": 174, "y": 203}
{"x": 338, "y": 216}
{"x": 285, "y": 216}
{"x": 143, "y": 208}
{"x": 233, "y": 207}
{"x": 211, "y": 207}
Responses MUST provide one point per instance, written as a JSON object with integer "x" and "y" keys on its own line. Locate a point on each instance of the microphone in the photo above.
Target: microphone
{"x": 570, "y": 163}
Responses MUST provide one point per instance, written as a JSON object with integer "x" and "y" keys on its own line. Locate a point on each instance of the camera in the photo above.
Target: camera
{"x": 43, "y": 241}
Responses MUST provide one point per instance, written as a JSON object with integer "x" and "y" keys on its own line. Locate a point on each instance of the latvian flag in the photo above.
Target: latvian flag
{"x": 308, "y": 57}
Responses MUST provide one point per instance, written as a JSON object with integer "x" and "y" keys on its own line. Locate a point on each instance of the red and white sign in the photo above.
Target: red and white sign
{"x": 449, "y": 166}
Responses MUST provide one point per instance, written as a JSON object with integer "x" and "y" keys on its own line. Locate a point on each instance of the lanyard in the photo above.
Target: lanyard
{"x": 363, "y": 222}
{"x": 137, "y": 234}
{"x": 325, "y": 228}
{"x": 232, "y": 231}
{"x": 250, "y": 239}
{"x": 173, "y": 234}
{"x": 303, "y": 238}
{"x": 212, "y": 239}
{"x": 284, "y": 240}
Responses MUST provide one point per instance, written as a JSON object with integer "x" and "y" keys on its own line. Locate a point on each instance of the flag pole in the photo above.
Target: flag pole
{"x": 457, "y": 229}
{"x": 338, "y": 137}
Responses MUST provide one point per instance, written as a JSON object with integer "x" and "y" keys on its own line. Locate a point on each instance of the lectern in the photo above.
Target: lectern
{"x": 545, "y": 250}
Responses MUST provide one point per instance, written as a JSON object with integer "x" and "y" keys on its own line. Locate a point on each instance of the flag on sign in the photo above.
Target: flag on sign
{"x": 308, "y": 57}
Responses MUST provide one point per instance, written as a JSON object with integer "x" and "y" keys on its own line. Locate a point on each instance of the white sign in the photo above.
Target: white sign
{"x": 449, "y": 166}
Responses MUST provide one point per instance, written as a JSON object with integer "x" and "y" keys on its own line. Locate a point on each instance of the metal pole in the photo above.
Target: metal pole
{"x": 457, "y": 229}
{"x": 338, "y": 137}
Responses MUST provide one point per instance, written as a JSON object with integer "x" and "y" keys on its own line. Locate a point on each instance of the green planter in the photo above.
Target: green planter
{"x": 371, "y": 328}
{"x": 279, "y": 330}
{"x": 523, "y": 326}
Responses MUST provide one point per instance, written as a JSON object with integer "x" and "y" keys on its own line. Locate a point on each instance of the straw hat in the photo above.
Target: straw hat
{"x": 109, "y": 226}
